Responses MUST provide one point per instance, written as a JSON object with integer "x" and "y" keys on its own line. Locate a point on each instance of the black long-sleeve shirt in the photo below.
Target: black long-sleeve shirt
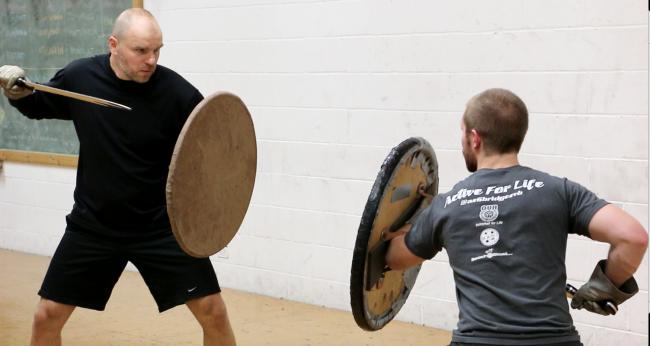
{"x": 124, "y": 156}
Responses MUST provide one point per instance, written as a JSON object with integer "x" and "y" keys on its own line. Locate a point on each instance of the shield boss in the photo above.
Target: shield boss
{"x": 377, "y": 293}
{"x": 211, "y": 175}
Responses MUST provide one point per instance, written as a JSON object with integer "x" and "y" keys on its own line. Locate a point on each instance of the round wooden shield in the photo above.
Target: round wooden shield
{"x": 376, "y": 292}
{"x": 211, "y": 175}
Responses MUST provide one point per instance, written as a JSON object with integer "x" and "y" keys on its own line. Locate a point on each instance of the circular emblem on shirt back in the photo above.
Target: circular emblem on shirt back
{"x": 489, "y": 212}
{"x": 489, "y": 236}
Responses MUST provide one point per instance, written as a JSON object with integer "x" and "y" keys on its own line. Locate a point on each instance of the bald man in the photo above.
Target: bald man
{"x": 119, "y": 213}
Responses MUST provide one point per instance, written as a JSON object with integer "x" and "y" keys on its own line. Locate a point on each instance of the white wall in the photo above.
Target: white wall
{"x": 332, "y": 85}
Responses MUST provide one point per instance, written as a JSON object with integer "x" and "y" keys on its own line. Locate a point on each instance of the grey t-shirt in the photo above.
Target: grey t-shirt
{"x": 505, "y": 232}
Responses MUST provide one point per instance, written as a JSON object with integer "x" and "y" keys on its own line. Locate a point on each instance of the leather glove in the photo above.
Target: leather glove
{"x": 8, "y": 76}
{"x": 600, "y": 289}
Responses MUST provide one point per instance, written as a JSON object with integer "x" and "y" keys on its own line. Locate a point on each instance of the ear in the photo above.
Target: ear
{"x": 112, "y": 44}
{"x": 475, "y": 139}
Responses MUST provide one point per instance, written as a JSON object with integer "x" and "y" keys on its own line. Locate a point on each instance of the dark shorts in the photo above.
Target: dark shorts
{"x": 86, "y": 266}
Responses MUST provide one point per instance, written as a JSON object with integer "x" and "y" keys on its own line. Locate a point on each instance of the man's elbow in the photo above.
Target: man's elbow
{"x": 639, "y": 238}
{"x": 634, "y": 235}
{"x": 634, "y": 245}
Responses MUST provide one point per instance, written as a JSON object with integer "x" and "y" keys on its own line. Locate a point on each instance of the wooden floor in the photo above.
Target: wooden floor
{"x": 131, "y": 317}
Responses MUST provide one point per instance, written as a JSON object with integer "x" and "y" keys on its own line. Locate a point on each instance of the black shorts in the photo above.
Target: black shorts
{"x": 86, "y": 266}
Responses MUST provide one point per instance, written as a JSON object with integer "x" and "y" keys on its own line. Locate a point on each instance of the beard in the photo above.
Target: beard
{"x": 133, "y": 74}
{"x": 470, "y": 160}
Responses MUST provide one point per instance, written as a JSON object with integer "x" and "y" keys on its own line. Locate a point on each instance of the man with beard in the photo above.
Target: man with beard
{"x": 119, "y": 214}
{"x": 505, "y": 230}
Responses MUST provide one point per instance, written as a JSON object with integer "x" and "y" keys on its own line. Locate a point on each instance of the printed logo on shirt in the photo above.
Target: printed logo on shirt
{"x": 489, "y": 237}
{"x": 493, "y": 193}
{"x": 489, "y": 212}
{"x": 489, "y": 254}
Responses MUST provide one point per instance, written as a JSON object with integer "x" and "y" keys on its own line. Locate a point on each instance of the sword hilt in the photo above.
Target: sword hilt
{"x": 23, "y": 83}
{"x": 605, "y": 305}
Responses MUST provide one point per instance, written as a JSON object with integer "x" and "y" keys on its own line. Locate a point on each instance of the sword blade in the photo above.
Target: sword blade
{"x": 77, "y": 96}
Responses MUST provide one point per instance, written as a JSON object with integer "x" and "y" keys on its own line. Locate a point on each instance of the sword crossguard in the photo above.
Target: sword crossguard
{"x": 21, "y": 82}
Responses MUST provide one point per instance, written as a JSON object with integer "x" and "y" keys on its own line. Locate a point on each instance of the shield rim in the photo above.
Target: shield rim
{"x": 169, "y": 191}
{"x": 359, "y": 256}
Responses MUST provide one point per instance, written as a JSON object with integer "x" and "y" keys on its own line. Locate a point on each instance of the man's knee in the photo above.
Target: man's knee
{"x": 210, "y": 310}
{"x": 50, "y": 314}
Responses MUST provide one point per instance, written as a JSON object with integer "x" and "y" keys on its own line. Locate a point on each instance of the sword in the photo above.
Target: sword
{"x": 48, "y": 89}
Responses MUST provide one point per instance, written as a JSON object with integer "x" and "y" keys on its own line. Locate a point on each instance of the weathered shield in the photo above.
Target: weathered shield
{"x": 376, "y": 292}
{"x": 211, "y": 175}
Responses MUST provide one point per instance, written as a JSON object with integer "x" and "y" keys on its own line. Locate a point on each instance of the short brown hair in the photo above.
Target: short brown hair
{"x": 501, "y": 119}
